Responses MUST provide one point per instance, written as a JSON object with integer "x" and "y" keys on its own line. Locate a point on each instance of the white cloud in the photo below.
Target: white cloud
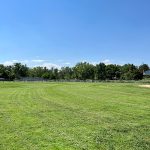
{"x": 50, "y": 65}
{"x": 45, "y": 63}
{"x": 11, "y": 62}
{"x": 83, "y": 61}
{"x": 94, "y": 63}
{"x": 24, "y": 61}
{"x": 67, "y": 63}
{"x": 38, "y": 60}
{"x": 106, "y": 61}
{"x": 33, "y": 63}
{"x": 8, "y": 63}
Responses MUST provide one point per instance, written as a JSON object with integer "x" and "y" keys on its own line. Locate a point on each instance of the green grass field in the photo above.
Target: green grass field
{"x": 74, "y": 116}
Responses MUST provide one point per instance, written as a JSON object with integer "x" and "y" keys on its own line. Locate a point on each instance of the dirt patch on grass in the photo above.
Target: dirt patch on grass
{"x": 146, "y": 86}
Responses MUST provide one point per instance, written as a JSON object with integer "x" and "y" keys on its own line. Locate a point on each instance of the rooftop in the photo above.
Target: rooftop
{"x": 146, "y": 72}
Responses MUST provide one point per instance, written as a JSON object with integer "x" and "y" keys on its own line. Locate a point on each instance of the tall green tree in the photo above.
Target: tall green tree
{"x": 84, "y": 71}
{"x": 143, "y": 67}
{"x": 113, "y": 72}
{"x": 100, "y": 71}
{"x": 20, "y": 70}
{"x": 131, "y": 72}
{"x": 66, "y": 73}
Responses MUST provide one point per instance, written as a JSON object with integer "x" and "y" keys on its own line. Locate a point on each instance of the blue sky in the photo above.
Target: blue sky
{"x": 64, "y": 32}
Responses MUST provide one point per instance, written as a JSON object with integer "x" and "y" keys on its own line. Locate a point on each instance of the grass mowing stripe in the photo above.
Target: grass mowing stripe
{"x": 74, "y": 116}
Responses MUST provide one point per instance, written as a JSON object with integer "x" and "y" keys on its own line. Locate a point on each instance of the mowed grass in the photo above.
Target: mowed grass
{"x": 74, "y": 116}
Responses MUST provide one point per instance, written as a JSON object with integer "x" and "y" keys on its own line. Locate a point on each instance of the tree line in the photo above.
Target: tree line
{"x": 81, "y": 71}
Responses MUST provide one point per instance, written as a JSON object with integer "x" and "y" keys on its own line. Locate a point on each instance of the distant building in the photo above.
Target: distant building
{"x": 146, "y": 72}
{"x": 2, "y": 79}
